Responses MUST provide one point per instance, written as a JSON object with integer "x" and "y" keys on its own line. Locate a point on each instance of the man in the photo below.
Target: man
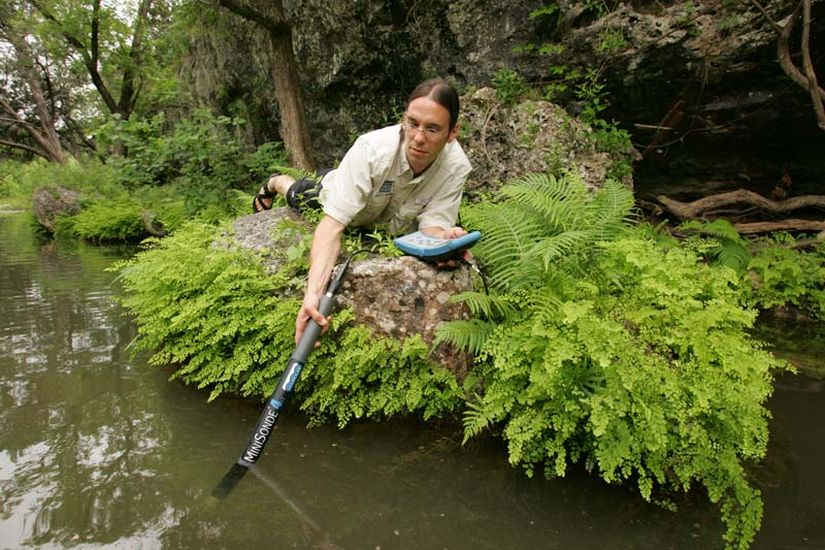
{"x": 394, "y": 176}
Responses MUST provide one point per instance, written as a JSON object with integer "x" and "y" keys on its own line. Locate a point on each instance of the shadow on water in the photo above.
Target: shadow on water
{"x": 98, "y": 449}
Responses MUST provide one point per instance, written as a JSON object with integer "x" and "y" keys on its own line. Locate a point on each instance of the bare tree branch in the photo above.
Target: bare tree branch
{"x": 274, "y": 26}
{"x": 776, "y": 26}
{"x": 95, "y": 34}
{"x": 806, "y": 80}
{"x": 698, "y": 207}
{"x": 783, "y": 225}
{"x": 45, "y": 135}
{"x": 128, "y": 91}
{"x": 813, "y": 85}
{"x": 24, "y": 147}
{"x": 784, "y": 51}
{"x": 90, "y": 60}
{"x": 14, "y": 121}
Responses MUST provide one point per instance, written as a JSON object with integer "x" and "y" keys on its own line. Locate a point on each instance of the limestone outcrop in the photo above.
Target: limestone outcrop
{"x": 395, "y": 297}
{"x": 51, "y": 202}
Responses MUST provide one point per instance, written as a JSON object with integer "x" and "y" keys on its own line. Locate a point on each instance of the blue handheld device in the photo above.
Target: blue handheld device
{"x": 432, "y": 249}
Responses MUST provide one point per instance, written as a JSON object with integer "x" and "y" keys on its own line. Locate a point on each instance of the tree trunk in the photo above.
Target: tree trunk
{"x": 293, "y": 125}
{"x": 44, "y": 134}
{"x": 284, "y": 72}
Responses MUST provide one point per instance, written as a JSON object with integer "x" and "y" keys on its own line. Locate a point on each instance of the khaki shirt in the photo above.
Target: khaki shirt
{"x": 374, "y": 185}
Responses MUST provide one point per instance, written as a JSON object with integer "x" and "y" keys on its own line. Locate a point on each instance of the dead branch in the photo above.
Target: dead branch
{"x": 781, "y": 225}
{"x": 807, "y": 64}
{"x": 671, "y": 119}
{"x": 687, "y": 210}
{"x": 806, "y": 80}
{"x": 804, "y": 243}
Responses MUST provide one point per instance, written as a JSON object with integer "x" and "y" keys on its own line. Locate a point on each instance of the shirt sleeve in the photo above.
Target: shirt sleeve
{"x": 350, "y": 187}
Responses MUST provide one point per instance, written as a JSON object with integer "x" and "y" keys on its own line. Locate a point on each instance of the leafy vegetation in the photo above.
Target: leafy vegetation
{"x": 601, "y": 343}
{"x": 510, "y": 86}
{"x": 201, "y": 157}
{"x": 779, "y": 275}
{"x": 774, "y": 272}
{"x": 228, "y": 326}
{"x": 116, "y": 220}
{"x": 601, "y": 346}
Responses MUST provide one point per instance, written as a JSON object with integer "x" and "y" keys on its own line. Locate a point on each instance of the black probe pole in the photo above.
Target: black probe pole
{"x": 269, "y": 416}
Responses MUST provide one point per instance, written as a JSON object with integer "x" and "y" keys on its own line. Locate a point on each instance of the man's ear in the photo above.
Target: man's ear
{"x": 453, "y": 133}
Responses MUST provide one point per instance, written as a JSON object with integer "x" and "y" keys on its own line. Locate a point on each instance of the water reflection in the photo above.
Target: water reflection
{"x": 78, "y": 441}
{"x": 99, "y": 450}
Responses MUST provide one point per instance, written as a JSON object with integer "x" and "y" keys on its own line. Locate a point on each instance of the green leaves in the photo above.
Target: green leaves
{"x": 619, "y": 350}
{"x": 781, "y": 275}
{"x": 599, "y": 343}
{"x": 228, "y": 326}
{"x": 541, "y": 221}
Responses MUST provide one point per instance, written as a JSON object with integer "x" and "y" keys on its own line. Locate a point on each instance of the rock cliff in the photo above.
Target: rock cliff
{"x": 697, "y": 84}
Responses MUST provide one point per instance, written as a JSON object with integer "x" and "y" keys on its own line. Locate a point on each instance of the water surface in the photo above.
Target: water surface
{"x": 99, "y": 450}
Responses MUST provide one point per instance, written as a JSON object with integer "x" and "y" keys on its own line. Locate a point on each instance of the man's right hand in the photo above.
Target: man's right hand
{"x": 309, "y": 310}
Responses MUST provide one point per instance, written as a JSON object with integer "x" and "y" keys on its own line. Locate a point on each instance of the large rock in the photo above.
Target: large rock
{"x": 700, "y": 86}
{"x": 51, "y": 202}
{"x": 737, "y": 119}
{"x": 505, "y": 142}
{"x": 395, "y": 297}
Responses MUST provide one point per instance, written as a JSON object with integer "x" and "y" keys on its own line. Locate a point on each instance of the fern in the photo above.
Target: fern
{"x": 489, "y": 306}
{"x": 543, "y": 221}
{"x": 467, "y": 335}
{"x": 620, "y": 349}
{"x": 227, "y": 326}
{"x": 728, "y": 248}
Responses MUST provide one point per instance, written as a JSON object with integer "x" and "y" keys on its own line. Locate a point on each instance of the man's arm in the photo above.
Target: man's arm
{"x": 326, "y": 244}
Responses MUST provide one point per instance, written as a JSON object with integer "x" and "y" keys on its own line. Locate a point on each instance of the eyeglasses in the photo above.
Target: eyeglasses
{"x": 429, "y": 131}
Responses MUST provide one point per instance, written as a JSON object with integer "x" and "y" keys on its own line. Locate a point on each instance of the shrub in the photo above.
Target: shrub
{"x": 775, "y": 274}
{"x": 228, "y": 326}
{"x": 111, "y": 220}
{"x": 201, "y": 156}
{"x": 18, "y": 181}
{"x": 779, "y": 275}
{"x": 600, "y": 346}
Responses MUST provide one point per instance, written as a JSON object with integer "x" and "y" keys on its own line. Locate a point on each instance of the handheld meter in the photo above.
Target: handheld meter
{"x": 431, "y": 249}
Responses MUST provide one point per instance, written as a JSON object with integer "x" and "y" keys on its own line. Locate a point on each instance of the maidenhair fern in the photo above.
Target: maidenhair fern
{"x": 226, "y": 325}
{"x": 725, "y": 245}
{"x": 616, "y": 350}
{"x": 777, "y": 273}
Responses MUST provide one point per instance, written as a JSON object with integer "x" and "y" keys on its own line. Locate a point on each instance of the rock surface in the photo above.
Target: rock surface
{"x": 51, "y": 202}
{"x": 505, "y": 142}
{"x": 741, "y": 121}
{"x": 395, "y": 297}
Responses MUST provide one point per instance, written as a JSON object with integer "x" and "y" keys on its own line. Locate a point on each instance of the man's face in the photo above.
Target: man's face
{"x": 426, "y": 132}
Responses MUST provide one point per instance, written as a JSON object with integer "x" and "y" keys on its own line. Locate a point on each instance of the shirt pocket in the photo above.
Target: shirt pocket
{"x": 408, "y": 211}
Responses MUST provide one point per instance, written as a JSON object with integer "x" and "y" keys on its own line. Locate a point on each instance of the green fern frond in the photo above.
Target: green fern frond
{"x": 559, "y": 202}
{"x": 731, "y": 251}
{"x": 466, "y": 335}
{"x": 551, "y": 248}
{"x": 296, "y": 173}
{"x": 488, "y": 306}
{"x": 542, "y": 220}
{"x": 547, "y": 301}
{"x": 734, "y": 255}
{"x": 609, "y": 211}
{"x": 476, "y": 420}
{"x": 719, "y": 229}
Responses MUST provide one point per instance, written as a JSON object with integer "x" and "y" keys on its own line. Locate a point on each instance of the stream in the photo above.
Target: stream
{"x": 98, "y": 449}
